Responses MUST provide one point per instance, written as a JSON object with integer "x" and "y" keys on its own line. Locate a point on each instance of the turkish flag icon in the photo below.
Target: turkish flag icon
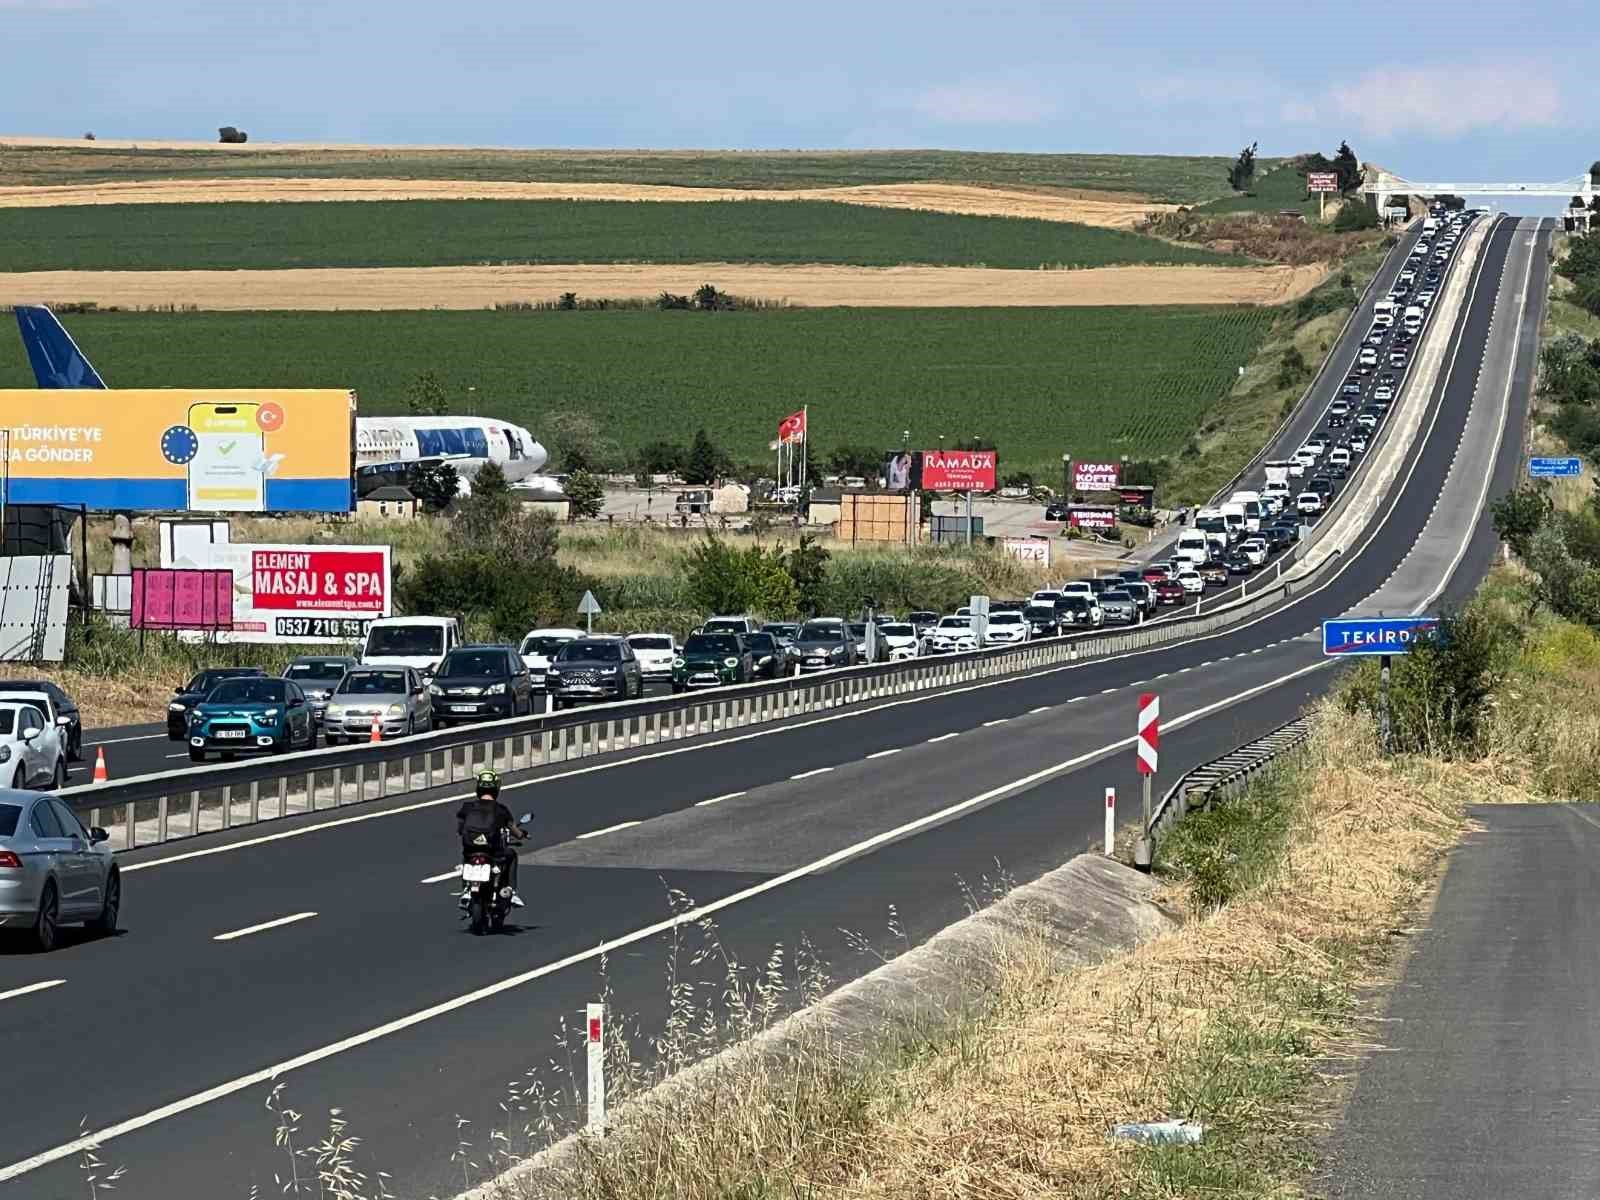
{"x": 269, "y": 417}
{"x": 793, "y": 427}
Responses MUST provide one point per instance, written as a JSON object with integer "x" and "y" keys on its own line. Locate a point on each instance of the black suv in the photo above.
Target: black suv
{"x": 594, "y": 668}
{"x": 186, "y": 695}
{"x": 480, "y": 683}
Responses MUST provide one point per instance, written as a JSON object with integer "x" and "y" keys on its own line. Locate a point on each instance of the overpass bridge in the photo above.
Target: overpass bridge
{"x": 1380, "y": 185}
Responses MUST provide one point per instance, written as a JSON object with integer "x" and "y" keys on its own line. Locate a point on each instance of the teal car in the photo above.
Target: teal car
{"x": 252, "y": 715}
{"x": 711, "y": 660}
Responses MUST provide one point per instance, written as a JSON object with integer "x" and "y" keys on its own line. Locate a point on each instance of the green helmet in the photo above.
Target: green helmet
{"x": 488, "y": 783}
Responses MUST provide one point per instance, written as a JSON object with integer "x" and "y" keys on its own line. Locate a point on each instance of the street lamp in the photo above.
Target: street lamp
{"x": 1066, "y": 474}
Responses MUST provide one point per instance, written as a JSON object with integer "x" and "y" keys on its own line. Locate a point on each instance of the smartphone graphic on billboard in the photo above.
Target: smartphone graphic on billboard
{"x": 227, "y": 468}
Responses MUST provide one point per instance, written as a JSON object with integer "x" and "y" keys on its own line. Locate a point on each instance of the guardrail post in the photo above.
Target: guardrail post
{"x": 255, "y": 801}
{"x": 162, "y": 832}
{"x": 227, "y": 806}
{"x": 311, "y": 791}
{"x": 194, "y": 812}
{"x": 129, "y": 836}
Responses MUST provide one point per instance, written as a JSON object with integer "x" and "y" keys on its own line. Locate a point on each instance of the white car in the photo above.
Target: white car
{"x": 539, "y": 646}
{"x": 952, "y": 635}
{"x": 1383, "y": 393}
{"x": 1297, "y": 467}
{"x": 1425, "y": 299}
{"x": 1077, "y": 587}
{"x": 1191, "y": 583}
{"x": 1340, "y": 457}
{"x": 1006, "y": 628}
{"x": 655, "y": 652}
{"x": 900, "y": 640}
{"x": 1358, "y": 443}
{"x": 1277, "y": 495}
{"x": 1255, "y": 550}
{"x": 32, "y": 753}
{"x": 1308, "y": 504}
{"x": 1368, "y": 357}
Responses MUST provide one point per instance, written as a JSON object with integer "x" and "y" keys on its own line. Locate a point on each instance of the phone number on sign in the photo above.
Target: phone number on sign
{"x": 352, "y": 628}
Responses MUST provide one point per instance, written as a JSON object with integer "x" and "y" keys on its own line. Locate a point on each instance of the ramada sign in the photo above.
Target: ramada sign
{"x": 959, "y": 470}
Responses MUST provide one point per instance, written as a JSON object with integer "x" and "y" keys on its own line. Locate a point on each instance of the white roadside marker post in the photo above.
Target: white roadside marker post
{"x": 1111, "y": 821}
{"x": 597, "y": 1071}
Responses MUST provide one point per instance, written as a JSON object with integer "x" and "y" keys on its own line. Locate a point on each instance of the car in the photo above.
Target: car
{"x": 1340, "y": 457}
{"x": 395, "y": 697}
{"x": 820, "y": 644}
{"x": 1289, "y": 527}
{"x": 858, "y": 633}
{"x": 597, "y": 667}
{"x": 1358, "y": 443}
{"x": 1323, "y": 486}
{"x": 1375, "y": 336}
{"x": 768, "y": 658}
{"x": 186, "y": 695}
{"x": 1143, "y": 593}
{"x": 1297, "y": 467}
{"x": 1237, "y": 562}
{"x": 1078, "y": 587}
{"x": 1057, "y": 510}
{"x": 1338, "y": 414}
{"x": 539, "y": 646}
{"x": 318, "y": 675}
{"x": 59, "y": 710}
{"x": 1191, "y": 582}
{"x": 1254, "y": 549}
{"x": 1367, "y": 358}
{"x": 1077, "y": 611}
{"x": 1169, "y": 593}
{"x": 730, "y": 624}
{"x": 1398, "y": 358}
{"x": 1005, "y": 628}
{"x": 482, "y": 682}
{"x": 952, "y": 635}
{"x": 55, "y": 871}
{"x": 420, "y": 642}
{"x": 1120, "y": 607}
{"x": 1308, "y": 504}
{"x": 33, "y": 748}
{"x": 1350, "y": 387}
{"x": 1386, "y": 380}
{"x": 782, "y": 632}
{"x": 901, "y": 640}
{"x": 709, "y": 660}
{"x": 922, "y": 620}
{"x": 1316, "y": 446}
{"x": 1213, "y": 574}
{"x": 1407, "y": 278}
{"x": 1338, "y": 470}
{"x": 1425, "y": 297}
{"x": 1155, "y": 573}
{"x": 1382, "y": 394}
{"x": 1276, "y": 537}
{"x": 1367, "y": 421}
{"x": 655, "y": 652}
{"x": 253, "y": 713}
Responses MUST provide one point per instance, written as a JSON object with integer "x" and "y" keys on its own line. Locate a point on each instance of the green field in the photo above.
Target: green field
{"x": 1038, "y": 382}
{"x": 1276, "y": 190}
{"x": 1176, "y": 178}
{"x": 436, "y": 233}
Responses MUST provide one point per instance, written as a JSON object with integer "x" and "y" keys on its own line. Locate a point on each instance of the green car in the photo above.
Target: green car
{"x": 711, "y": 660}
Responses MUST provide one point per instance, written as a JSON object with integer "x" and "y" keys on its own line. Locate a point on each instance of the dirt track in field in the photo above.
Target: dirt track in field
{"x": 1108, "y": 210}
{"x": 819, "y": 286}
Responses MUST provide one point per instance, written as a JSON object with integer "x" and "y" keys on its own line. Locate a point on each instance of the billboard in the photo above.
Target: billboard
{"x": 902, "y": 471}
{"x": 959, "y": 470}
{"x": 1318, "y": 181}
{"x": 181, "y": 599}
{"x": 300, "y": 593}
{"x": 1081, "y": 517}
{"x": 180, "y": 449}
{"x": 1096, "y": 476}
{"x": 1034, "y": 550}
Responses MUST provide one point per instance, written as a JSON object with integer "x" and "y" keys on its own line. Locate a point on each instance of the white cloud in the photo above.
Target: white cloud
{"x": 1444, "y": 101}
{"x": 984, "y": 103}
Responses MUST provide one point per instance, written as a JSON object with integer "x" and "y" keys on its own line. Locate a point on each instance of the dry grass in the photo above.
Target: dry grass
{"x": 377, "y": 288}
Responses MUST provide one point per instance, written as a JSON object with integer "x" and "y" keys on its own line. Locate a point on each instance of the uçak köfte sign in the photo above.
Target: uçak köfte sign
{"x": 1096, "y": 476}
{"x": 959, "y": 470}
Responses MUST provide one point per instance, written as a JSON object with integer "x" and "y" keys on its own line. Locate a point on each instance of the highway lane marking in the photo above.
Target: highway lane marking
{"x": 453, "y": 873}
{"x": 943, "y": 737}
{"x": 996, "y": 721}
{"x": 249, "y": 929}
{"x": 719, "y": 799}
{"x": 609, "y": 829}
{"x": 141, "y": 737}
{"x": 1040, "y": 709}
{"x": 31, "y": 988}
{"x": 97, "y": 1137}
{"x": 810, "y": 773}
{"x": 886, "y": 753}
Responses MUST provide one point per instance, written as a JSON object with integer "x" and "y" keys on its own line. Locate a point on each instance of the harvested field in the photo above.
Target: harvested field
{"x": 1107, "y": 210}
{"x": 808, "y": 286}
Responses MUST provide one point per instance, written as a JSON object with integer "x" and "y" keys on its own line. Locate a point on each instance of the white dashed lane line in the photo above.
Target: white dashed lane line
{"x": 453, "y": 873}
{"x": 811, "y": 773}
{"x": 996, "y": 721}
{"x": 943, "y": 737}
{"x": 1036, "y": 711}
{"x": 886, "y": 753}
{"x": 31, "y": 988}
{"x": 609, "y": 829}
{"x": 718, "y": 799}
{"x": 265, "y": 925}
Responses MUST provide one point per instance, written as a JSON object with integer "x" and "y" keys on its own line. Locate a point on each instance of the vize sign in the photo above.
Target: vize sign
{"x": 959, "y": 470}
{"x": 1375, "y": 635}
{"x": 1096, "y": 476}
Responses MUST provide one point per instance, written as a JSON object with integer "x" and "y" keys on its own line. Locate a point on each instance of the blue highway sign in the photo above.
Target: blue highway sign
{"x": 1375, "y": 635}
{"x": 1555, "y": 468}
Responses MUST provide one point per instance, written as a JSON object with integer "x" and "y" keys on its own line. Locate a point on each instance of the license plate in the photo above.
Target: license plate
{"x": 475, "y": 873}
{"x": 229, "y": 733}
{"x": 463, "y": 708}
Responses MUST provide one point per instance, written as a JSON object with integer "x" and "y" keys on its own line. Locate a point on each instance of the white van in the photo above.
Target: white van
{"x": 1429, "y": 224}
{"x": 1233, "y": 517}
{"x": 1210, "y": 521}
{"x": 1193, "y": 547}
{"x": 1413, "y": 318}
{"x": 1383, "y": 314}
{"x": 419, "y": 642}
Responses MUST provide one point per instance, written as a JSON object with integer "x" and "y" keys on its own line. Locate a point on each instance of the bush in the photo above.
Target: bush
{"x": 585, "y": 495}
{"x": 1355, "y": 215}
{"x": 228, "y": 135}
{"x": 725, "y": 579}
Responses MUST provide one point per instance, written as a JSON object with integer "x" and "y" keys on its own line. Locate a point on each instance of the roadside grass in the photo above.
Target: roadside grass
{"x": 1176, "y": 178}
{"x": 1098, "y": 382}
{"x": 1275, "y": 190}
{"x": 434, "y": 233}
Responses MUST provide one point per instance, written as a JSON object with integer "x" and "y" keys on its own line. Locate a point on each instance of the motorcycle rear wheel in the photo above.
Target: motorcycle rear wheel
{"x": 478, "y": 916}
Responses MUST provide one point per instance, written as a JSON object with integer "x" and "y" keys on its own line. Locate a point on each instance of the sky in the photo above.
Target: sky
{"x": 1430, "y": 91}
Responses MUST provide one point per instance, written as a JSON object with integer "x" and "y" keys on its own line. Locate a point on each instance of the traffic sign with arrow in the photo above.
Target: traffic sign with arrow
{"x": 588, "y": 609}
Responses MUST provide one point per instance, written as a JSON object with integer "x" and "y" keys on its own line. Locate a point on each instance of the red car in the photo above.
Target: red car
{"x": 1169, "y": 592}
{"x": 1155, "y": 573}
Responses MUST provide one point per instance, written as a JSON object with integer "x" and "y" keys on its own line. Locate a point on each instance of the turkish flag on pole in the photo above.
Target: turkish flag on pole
{"x": 793, "y": 427}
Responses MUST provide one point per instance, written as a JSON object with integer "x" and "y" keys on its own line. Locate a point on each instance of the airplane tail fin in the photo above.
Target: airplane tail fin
{"x": 57, "y": 361}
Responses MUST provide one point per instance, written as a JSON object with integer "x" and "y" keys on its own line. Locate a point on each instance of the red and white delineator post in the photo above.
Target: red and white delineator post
{"x": 595, "y": 1044}
{"x": 1111, "y": 821}
{"x": 1145, "y": 747}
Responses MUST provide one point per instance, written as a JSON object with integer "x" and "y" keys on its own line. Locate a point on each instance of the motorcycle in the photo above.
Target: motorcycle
{"x": 489, "y": 901}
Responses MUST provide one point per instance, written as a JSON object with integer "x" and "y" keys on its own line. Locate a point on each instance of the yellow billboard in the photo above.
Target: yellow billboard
{"x": 180, "y": 449}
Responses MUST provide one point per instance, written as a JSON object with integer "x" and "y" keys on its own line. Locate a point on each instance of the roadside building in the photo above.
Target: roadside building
{"x": 388, "y": 504}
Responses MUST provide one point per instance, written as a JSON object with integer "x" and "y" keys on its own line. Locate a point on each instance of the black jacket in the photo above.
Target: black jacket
{"x": 473, "y": 818}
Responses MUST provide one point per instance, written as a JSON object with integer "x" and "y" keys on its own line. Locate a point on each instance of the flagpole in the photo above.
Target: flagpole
{"x": 805, "y": 444}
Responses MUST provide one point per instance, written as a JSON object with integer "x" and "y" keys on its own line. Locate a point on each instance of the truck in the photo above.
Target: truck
{"x": 1383, "y": 313}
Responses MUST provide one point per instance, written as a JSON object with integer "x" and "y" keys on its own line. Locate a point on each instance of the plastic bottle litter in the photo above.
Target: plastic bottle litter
{"x": 1175, "y": 1132}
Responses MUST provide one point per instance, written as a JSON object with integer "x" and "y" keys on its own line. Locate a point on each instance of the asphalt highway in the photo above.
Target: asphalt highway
{"x": 849, "y": 828}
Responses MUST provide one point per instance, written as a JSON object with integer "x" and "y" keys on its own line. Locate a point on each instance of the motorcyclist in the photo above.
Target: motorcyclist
{"x": 483, "y": 822}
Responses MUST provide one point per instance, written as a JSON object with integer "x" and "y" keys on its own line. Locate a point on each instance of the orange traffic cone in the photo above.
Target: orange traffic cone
{"x": 377, "y": 728}
{"x": 100, "y": 775}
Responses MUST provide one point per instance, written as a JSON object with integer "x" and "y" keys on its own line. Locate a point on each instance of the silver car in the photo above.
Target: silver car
{"x": 395, "y": 696}
{"x": 53, "y": 871}
{"x": 1120, "y": 606}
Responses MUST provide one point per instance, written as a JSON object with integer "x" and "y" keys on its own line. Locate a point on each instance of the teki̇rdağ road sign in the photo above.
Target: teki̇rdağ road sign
{"x": 1375, "y": 635}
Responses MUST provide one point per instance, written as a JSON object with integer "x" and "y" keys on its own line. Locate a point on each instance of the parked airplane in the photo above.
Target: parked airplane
{"x": 388, "y": 449}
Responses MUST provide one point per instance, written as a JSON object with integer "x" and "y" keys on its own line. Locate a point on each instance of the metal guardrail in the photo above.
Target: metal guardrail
{"x": 1224, "y": 778}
